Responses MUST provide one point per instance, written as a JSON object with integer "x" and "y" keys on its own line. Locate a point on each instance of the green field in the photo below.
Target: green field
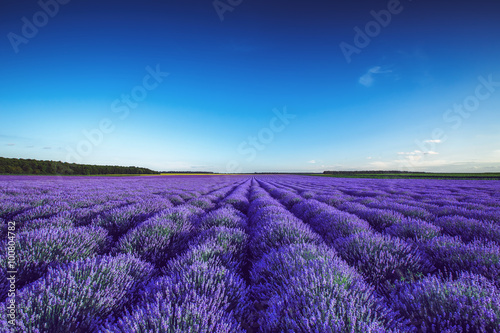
{"x": 416, "y": 175}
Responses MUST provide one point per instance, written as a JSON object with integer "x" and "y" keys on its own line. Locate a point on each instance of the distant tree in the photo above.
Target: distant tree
{"x": 35, "y": 167}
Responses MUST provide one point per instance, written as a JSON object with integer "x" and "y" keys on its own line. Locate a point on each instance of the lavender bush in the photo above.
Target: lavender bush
{"x": 451, "y": 255}
{"x": 382, "y": 258}
{"x": 469, "y": 229}
{"x": 37, "y": 249}
{"x": 277, "y": 233}
{"x": 317, "y": 293}
{"x": 157, "y": 239}
{"x": 414, "y": 229}
{"x": 197, "y": 314}
{"x": 223, "y": 217}
{"x": 78, "y": 296}
{"x": 270, "y": 253}
{"x": 470, "y": 303}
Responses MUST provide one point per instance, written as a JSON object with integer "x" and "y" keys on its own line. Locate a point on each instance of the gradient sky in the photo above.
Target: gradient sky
{"x": 399, "y": 100}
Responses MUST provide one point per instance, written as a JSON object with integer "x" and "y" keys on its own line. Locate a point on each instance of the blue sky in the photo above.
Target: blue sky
{"x": 274, "y": 86}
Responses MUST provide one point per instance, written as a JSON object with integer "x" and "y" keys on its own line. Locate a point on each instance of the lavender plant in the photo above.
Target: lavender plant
{"x": 470, "y": 303}
{"x": 382, "y": 258}
{"x": 79, "y": 296}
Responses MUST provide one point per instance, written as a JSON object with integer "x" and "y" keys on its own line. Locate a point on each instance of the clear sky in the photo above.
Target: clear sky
{"x": 252, "y": 85}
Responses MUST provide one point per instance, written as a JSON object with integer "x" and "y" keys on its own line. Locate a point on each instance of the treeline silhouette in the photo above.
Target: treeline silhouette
{"x": 19, "y": 166}
{"x": 195, "y": 172}
{"x": 364, "y": 172}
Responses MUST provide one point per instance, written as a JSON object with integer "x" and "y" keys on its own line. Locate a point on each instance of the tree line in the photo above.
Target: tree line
{"x": 19, "y": 166}
{"x": 365, "y": 172}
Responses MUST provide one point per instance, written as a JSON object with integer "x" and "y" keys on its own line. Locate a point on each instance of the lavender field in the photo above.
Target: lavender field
{"x": 249, "y": 254}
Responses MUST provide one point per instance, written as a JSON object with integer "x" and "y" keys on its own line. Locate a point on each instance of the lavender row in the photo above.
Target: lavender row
{"x": 445, "y": 253}
{"x": 301, "y": 285}
{"x": 389, "y": 259}
{"x": 437, "y": 309}
{"x": 164, "y": 234}
{"x": 78, "y": 296}
{"x": 430, "y": 247}
{"x": 201, "y": 290}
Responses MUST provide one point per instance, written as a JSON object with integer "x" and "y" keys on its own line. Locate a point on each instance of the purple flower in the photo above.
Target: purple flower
{"x": 78, "y": 296}
{"x": 197, "y": 314}
{"x": 159, "y": 238}
{"x": 309, "y": 289}
{"x": 277, "y": 233}
{"x": 37, "y": 249}
{"x": 469, "y": 229}
{"x": 470, "y": 303}
{"x": 223, "y": 217}
{"x": 450, "y": 254}
{"x": 414, "y": 229}
{"x": 382, "y": 258}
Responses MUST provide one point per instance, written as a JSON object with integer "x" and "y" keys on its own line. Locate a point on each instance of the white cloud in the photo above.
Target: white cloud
{"x": 418, "y": 152}
{"x": 367, "y": 79}
{"x": 312, "y": 161}
{"x": 380, "y": 164}
{"x": 415, "y": 162}
{"x": 433, "y": 141}
{"x": 369, "y": 158}
{"x": 415, "y": 152}
{"x": 420, "y": 163}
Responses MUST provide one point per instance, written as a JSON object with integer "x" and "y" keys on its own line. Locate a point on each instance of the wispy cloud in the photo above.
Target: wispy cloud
{"x": 11, "y": 144}
{"x": 380, "y": 164}
{"x": 47, "y": 147}
{"x": 368, "y": 78}
{"x": 410, "y": 153}
{"x": 418, "y": 152}
{"x": 433, "y": 141}
{"x": 312, "y": 161}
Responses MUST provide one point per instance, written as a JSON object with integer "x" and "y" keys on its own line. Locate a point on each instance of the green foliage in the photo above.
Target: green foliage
{"x": 18, "y": 166}
{"x": 407, "y": 175}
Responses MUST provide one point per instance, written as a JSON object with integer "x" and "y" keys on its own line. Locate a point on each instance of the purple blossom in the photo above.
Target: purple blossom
{"x": 37, "y": 249}
{"x": 308, "y": 288}
{"x": 470, "y": 303}
{"x": 382, "y": 258}
{"x": 231, "y": 239}
{"x": 225, "y": 287}
{"x": 223, "y": 217}
{"x": 378, "y": 218}
{"x": 414, "y": 229}
{"x": 78, "y": 296}
{"x": 159, "y": 238}
{"x": 450, "y": 254}
{"x": 469, "y": 229}
{"x": 197, "y": 314}
{"x": 308, "y": 247}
